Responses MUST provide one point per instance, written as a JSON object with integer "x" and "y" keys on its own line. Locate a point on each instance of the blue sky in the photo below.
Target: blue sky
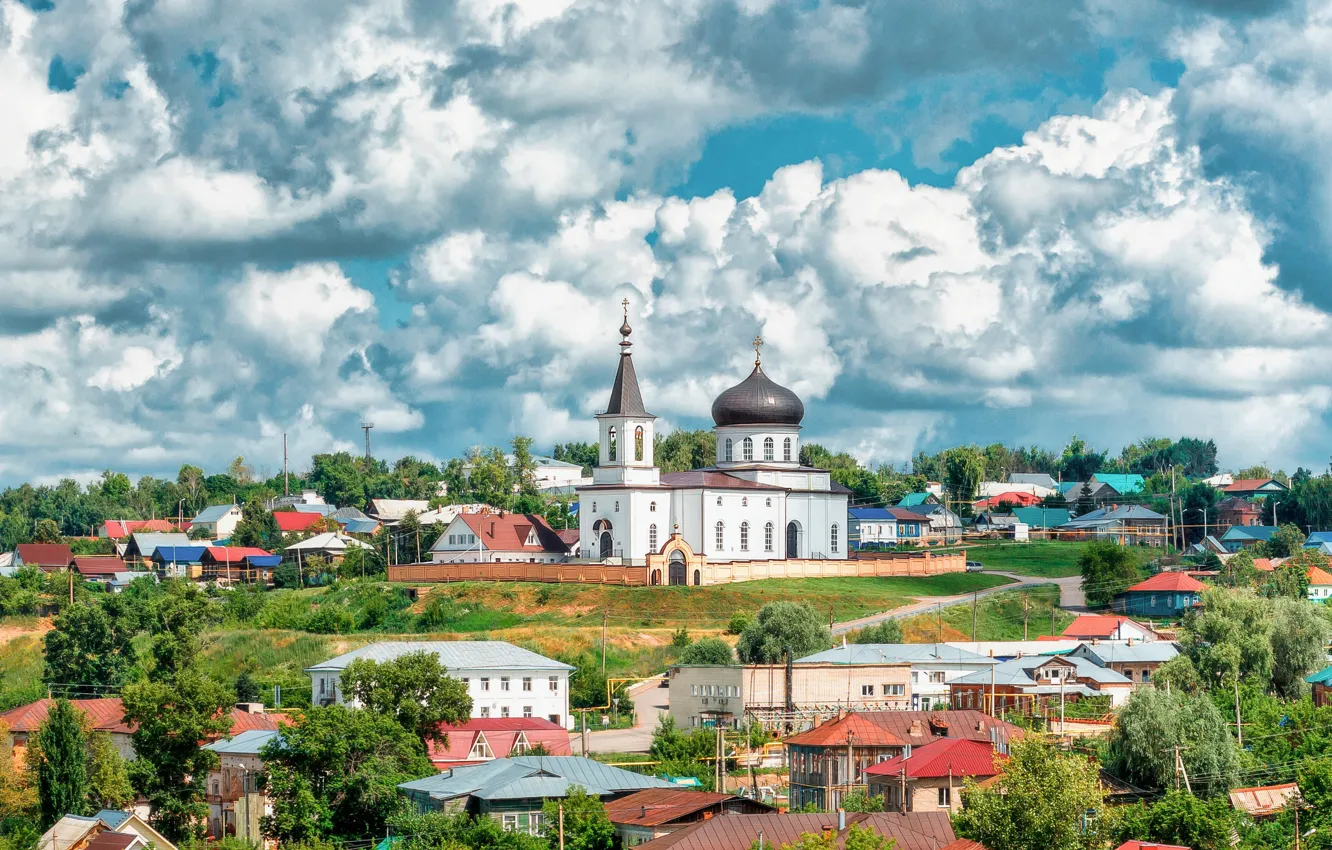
{"x": 1003, "y": 221}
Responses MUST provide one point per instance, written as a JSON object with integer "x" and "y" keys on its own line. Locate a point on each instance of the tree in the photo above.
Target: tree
{"x": 586, "y": 826}
{"x": 1198, "y": 502}
{"x": 62, "y": 767}
{"x": 242, "y": 473}
{"x": 1078, "y": 462}
{"x": 1299, "y": 638}
{"x": 413, "y": 690}
{"x": 87, "y": 649}
{"x": 1085, "y": 503}
{"x": 708, "y": 650}
{"x": 1230, "y": 636}
{"x": 1153, "y": 722}
{"x": 861, "y": 801}
{"x": 586, "y": 454}
{"x": 18, "y": 799}
{"x": 176, "y": 624}
{"x": 1043, "y": 799}
{"x": 1315, "y": 501}
{"x": 781, "y": 627}
{"x": 1107, "y": 570}
{"x": 108, "y": 775}
{"x": 287, "y": 574}
{"x": 1178, "y": 674}
{"x": 258, "y": 527}
{"x": 337, "y": 772}
{"x": 173, "y": 717}
{"x": 889, "y": 631}
{"x": 964, "y": 467}
{"x": 1238, "y": 570}
{"x": 1181, "y": 819}
{"x": 247, "y": 689}
{"x": 47, "y": 531}
{"x": 461, "y": 831}
{"x": 1286, "y": 541}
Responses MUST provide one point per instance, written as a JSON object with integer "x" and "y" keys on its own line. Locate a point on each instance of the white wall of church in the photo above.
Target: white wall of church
{"x": 698, "y": 513}
{"x": 817, "y": 513}
{"x": 758, "y": 436}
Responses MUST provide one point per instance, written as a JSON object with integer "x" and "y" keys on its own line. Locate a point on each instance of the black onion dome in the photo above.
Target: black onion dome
{"x": 758, "y": 400}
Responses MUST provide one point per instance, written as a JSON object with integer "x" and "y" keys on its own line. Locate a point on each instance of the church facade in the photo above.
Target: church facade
{"x": 755, "y": 503}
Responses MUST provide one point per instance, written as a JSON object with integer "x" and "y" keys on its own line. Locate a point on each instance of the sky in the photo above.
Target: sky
{"x": 1002, "y": 220}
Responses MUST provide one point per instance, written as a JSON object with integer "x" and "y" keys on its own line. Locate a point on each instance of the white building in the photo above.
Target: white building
{"x": 933, "y": 666}
{"x": 499, "y": 537}
{"x": 504, "y": 680}
{"x": 218, "y": 520}
{"x": 756, "y": 503}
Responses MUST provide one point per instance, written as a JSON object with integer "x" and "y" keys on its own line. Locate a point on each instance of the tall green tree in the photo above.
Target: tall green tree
{"x": 1043, "y": 799}
{"x": 1299, "y": 646}
{"x": 586, "y": 826}
{"x": 177, "y": 623}
{"x": 1153, "y": 722}
{"x": 413, "y": 690}
{"x": 1315, "y": 501}
{"x": 1107, "y": 570}
{"x": 889, "y": 631}
{"x": 1230, "y": 636}
{"x": 258, "y": 527}
{"x": 62, "y": 769}
{"x": 964, "y": 468}
{"x": 708, "y": 650}
{"x": 109, "y": 784}
{"x": 88, "y": 650}
{"x": 1286, "y": 541}
{"x": 1182, "y": 820}
{"x": 47, "y": 531}
{"x": 780, "y": 626}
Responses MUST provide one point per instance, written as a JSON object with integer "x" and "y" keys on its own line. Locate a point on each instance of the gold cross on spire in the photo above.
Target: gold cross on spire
{"x": 758, "y": 344}
{"x": 625, "y": 302}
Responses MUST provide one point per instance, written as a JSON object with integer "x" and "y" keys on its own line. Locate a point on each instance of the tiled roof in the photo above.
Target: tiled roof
{"x": 1169, "y": 582}
{"x": 453, "y": 654}
{"x": 657, "y": 806}
{"x": 98, "y": 565}
{"x": 501, "y": 734}
{"x": 510, "y": 532}
{"x": 1264, "y": 799}
{"x": 956, "y": 757}
{"x": 712, "y": 480}
{"x": 910, "y": 831}
{"x": 920, "y": 727}
{"x": 1319, "y": 577}
{"x": 852, "y": 727}
{"x": 48, "y": 556}
{"x": 295, "y": 520}
{"x": 105, "y": 715}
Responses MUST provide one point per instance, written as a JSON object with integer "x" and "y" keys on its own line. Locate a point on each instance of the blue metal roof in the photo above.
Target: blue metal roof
{"x": 247, "y": 743}
{"x": 1249, "y": 532}
{"x": 112, "y": 817}
{"x": 1125, "y": 483}
{"x": 179, "y": 554}
{"x": 213, "y": 513}
{"x": 1317, "y": 538}
{"x": 361, "y": 526}
{"x": 870, "y": 513}
{"x": 264, "y": 560}
{"x": 322, "y": 510}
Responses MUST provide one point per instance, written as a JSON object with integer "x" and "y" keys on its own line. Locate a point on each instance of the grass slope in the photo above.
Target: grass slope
{"x": 998, "y": 617}
{"x": 1040, "y": 559}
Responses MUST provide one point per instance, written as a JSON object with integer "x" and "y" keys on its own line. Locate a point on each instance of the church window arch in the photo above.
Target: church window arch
{"x": 611, "y": 446}
{"x": 768, "y": 502}
{"x": 720, "y": 531}
{"x": 786, "y": 450}
{"x": 744, "y": 501}
{"x": 729, "y": 452}
{"x": 832, "y": 536}
{"x": 747, "y": 448}
{"x": 767, "y": 448}
{"x": 652, "y": 537}
{"x": 767, "y": 537}
{"x": 744, "y": 537}
{"x": 638, "y": 443}
{"x": 594, "y": 507}
{"x": 617, "y": 507}
{"x": 652, "y": 507}
{"x": 719, "y": 501}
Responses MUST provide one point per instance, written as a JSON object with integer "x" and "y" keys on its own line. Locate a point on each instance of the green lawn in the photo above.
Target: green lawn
{"x": 21, "y": 671}
{"x": 998, "y": 617}
{"x": 1041, "y": 559}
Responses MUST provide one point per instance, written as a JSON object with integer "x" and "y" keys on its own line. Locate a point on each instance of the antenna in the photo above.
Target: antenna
{"x": 366, "y": 426}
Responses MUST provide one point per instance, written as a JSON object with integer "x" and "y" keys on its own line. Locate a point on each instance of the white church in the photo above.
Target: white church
{"x": 756, "y": 503}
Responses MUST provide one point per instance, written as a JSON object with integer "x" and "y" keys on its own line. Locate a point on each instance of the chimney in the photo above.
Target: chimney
{"x": 643, "y": 813}
{"x": 841, "y": 819}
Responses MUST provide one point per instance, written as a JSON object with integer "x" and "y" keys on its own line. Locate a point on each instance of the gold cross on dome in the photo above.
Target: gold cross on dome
{"x": 625, "y": 302}
{"x": 758, "y": 344}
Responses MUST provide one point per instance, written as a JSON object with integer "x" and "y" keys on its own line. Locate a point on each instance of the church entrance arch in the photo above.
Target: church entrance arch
{"x": 793, "y": 539}
{"x": 698, "y": 578}
{"x": 656, "y": 577}
{"x": 605, "y": 542}
{"x": 675, "y": 568}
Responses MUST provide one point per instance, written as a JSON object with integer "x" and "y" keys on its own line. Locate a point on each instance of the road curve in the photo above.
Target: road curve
{"x": 1070, "y": 597}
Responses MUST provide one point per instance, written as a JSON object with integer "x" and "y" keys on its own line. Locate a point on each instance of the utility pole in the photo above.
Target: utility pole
{"x": 1239, "y": 731}
{"x": 286, "y": 484}
{"x": 366, "y": 426}
{"x": 975, "y": 598}
{"x": 603, "y": 643}
{"x": 1180, "y": 771}
{"x": 1052, "y": 620}
{"x": 830, "y": 619}
{"x": 1026, "y": 612}
{"x": 561, "y": 825}
{"x": 938, "y": 609}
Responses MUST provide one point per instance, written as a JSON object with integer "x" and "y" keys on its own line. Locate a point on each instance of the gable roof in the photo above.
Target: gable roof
{"x": 511, "y": 532}
{"x": 1238, "y": 504}
{"x": 48, "y": 556}
{"x": 295, "y": 520}
{"x": 657, "y": 806}
{"x": 247, "y": 743}
{"x": 118, "y": 529}
{"x": 1249, "y": 532}
{"x": 1168, "y": 582}
{"x": 146, "y": 543}
{"x": 1099, "y": 626}
{"x": 103, "y": 566}
{"x": 1322, "y": 677}
{"x": 914, "y": 500}
{"x": 453, "y": 654}
{"x": 501, "y": 734}
{"x": 889, "y": 653}
{"x": 1041, "y": 479}
{"x": 233, "y": 554}
{"x": 710, "y": 479}
{"x": 192, "y": 554}
{"x": 957, "y": 757}
{"x": 393, "y": 510}
{"x": 529, "y": 777}
{"x": 106, "y": 714}
{"x": 909, "y": 831}
{"x": 921, "y": 727}
{"x": 1250, "y": 485}
{"x": 329, "y": 541}
{"x": 1119, "y": 652}
{"x": 848, "y": 728}
{"x": 213, "y": 513}
{"x": 1125, "y": 483}
{"x": 1264, "y": 799}
{"x": 1018, "y": 499}
{"x": 1038, "y": 517}
{"x": 1023, "y": 672}
{"x": 1319, "y": 577}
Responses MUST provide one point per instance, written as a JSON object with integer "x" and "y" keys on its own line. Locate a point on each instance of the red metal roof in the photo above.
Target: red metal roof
{"x": 295, "y": 520}
{"x": 957, "y": 757}
{"x": 48, "y": 556}
{"x": 1022, "y": 500}
{"x": 657, "y": 806}
{"x": 232, "y": 554}
{"x": 509, "y": 532}
{"x": 964, "y": 844}
{"x": 1170, "y": 582}
{"x": 245, "y": 721}
{"x": 910, "y": 831}
{"x": 570, "y": 536}
{"x": 98, "y": 565}
{"x": 853, "y": 727}
{"x": 501, "y": 734}
{"x": 1148, "y": 845}
{"x": 1264, "y": 564}
{"x": 1097, "y": 626}
{"x": 105, "y": 715}
{"x": 118, "y": 529}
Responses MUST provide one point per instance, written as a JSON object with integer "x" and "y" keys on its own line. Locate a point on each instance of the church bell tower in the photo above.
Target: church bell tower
{"x": 626, "y": 428}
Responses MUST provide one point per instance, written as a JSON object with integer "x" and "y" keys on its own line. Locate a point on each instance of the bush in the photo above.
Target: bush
{"x": 709, "y": 650}
{"x": 680, "y": 639}
{"x": 330, "y": 620}
{"x": 740, "y": 621}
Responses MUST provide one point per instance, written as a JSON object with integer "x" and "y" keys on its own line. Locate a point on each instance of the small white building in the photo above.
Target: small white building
{"x": 503, "y": 680}
{"x": 493, "y": 538}
{"x": 933, "y": 666}
{"x": 218, "y": 520}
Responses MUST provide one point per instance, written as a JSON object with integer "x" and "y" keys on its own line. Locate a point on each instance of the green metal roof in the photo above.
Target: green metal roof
{"x": 910, "y": 500}
{"x": 1322, "y": 677}
{"x": 1124, "y": 483}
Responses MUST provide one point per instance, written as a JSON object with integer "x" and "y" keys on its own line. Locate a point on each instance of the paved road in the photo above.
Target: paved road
{"x": 1070, "y": 597}
{"x": 650, "y": 701}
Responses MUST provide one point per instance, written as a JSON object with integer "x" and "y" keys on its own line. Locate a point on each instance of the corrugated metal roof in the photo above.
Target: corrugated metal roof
{"x": 106, "y": 714}
{"x": 322, "y": 510}
{"x": 295, "y": 520}
{"x": 179, "y": 554}
{"x": 910, "y": 831}
{"x": 329, "y": 541}
{"x": 1264, "y": 799}
{"x": 1169, "y": 582}
{"x": 1117, "y": 652}
{"x": 838, "y": 732}
{"x": 113, "y": 817}
{"x": 956, "y": 757}
{"x": 48, "y": 556}
{"x": 527, "y": 777}
{"x": 247, "y": 743}
{"x": 361, "y": 526}
{"x": 657, "y": 806}
{"x": 1322, "y": 677}
{"x": 453, "y": 654}
{"x": 213, "y": 513}
{"x": 890, "y": 653}
{"x": 146, "y": 543}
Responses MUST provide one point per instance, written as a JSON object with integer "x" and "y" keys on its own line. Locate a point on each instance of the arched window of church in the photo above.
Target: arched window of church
{"x": 617, "y": 507}
{"x": 747, "y": 448}
{"x": 786, "y": 450}
{"x": 638, "y": 443}
{"x": 719, "y": 501}
{"x": 768, "y": 503}
{"x": 721, "y": 534}
{"x": 652, "y": 537}
{"x": 652, "y": 507}
{"x": 832, "y": 536}
{"x": 610, "y": 444}
{"x": 744, "y": 501}
{"x": 767, "y": 448}
{"x": 767, "y": 537}
{"x": 728, "y": 449}
{"x": 744, "y": 537}
{"x": 594, "y": 507}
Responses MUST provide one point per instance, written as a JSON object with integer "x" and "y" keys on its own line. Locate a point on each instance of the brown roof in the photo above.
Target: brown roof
{"x": 109, "y": 840}
{"x": 712, "y": 480}
{"x": 247, "y": 721}
{"x": 911, "y": 831}
{"x": 570, "y": 536}
{"x": 657, "y": 806}
{"x": 106, "y": 715}
{"x": 853, "y": 728}
{"x": 919, "y": 727}
{"x": 965, "y": 844}
{"x": 1264, "y": 799}
{"x": 508, "y": 532}
{"x": 98, "y": 565}
{"x": 48, "y": 556}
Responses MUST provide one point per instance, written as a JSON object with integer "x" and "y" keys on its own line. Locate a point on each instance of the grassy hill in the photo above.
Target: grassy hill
{"x": 1052, "y": 559}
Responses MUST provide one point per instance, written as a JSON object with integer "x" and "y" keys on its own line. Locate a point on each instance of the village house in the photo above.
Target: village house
{"x": 1167, "y": 594}
{"x": 945, "y": 526}
{"x": 1249, "y": 488}
{"x": 1237, "y": 510}
{"x": 1128, "y": 525}
{"x": 231, "y": 564}
{"x": 1135, "y": 661}
{"x": 331, "y": 546}
{"x": 911, "y": 831}
{"x": 1239, "y": 537}
{"x": 1321, "y": 683}
{"x": 880, "y": 528}
{"x": 487, "y": 738}
{"x": 47, "y": 557}
{"x": 142, "y": 544}
{"x": 1099, "y": 627}
{"x": 1039, "y": 516}
{"x": 499, "y": 537}
{"x": 178, "y": 561}
{"x": 1126, "y": 483}
{"x": 1040, "y": 479}
{"x": 217, "y": 521}
{"x": 513, "y": 790}
{"x": 1006, "y": 502}
{"x": 237, "y": 801}
{"x": 929, "y": 778}
{"x": 1100, "y": 494}
{"x": 121, "y": 529}
{"x": 107, "y": 830}
{"x": 1031, "y": 681}
{"x": 98, "y": 568}
{"x": 654, "y": 812}
{"x": 503, "y": 680}
{"x": 933, "y": 666}
{"x": 1320, "y": 540}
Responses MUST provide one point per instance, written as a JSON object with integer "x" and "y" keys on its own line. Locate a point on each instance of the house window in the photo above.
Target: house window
{"x": 504, "y": 711}
{"x": 617, "y": 506}
{"x": 485, "y": 711}
{"x": 652, "y": 537}
{"x": 767, "y": 537}
{"x": 554, "y": 683}
{"x": 527, "y": 711}
{"x": 936, "y": 677}
{"x": 894, "y": 690}
{"x": 767, "y": 503}
{"x": 744, "y": 537}
{"x": 504, "y": 683}
{"x": 767, "y": 448}
{"x": 638, "y": 443}
{"x": 945, "y": 797}
{"x": 721, "y": 534}
{"x": 693, "y": 690}
{"x": 466, "y": 681}
{"x": 727, "y": 456}
{"x": 1146, "y": 676}
{"x": 321, "y": 682}
{"x": 594, "y": 507}
{"x": 867, "y": 690}
{"x": 527, "y": 683}
{"x": 786, "y": 449}
{"x": 747, "y": 448}
{"x": 485, "y": 684}
{"x": 833, "y": 536}
{"x": 611, "y": 444}
{"x": 719, "y": 501}
{"x": 744, "y": 501}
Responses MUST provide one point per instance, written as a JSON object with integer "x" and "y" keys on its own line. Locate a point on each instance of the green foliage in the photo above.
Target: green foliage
{"x": 1181, "y": 819}
{"x": 177, "y": 621}
{"x": 1152, "y": 722}
{"x": 435, "y": 830}
{"x": 88, "y": 648}
{"x": 888, "y": 631}
{"x": 330, "y": 619}
{"x": 247, "y": 689}
{"x": 1230, "y": 636}
{"x": 1178, "y": 674}
{"x": 287, "y": 574}
{"x": 46, "y": 532}
{"x": 586, "y": 826}
{"x": 1107, "y": 570}
{"x": 413, "y": 690}
{"x": 336, "y": 774}
{"x": 62, "y": 764}
{"x": 739, "y": 621}
{"x": 708, "y": 650}
{"x": 1040, "y": 801}
{"x": 779, "y": 627}
{"x": 586, "y": 454}
{"x": 1286, "y": 541}
{"x": 1299, "y": 639}
{"x": 861, "y": 801}
{"x": 257, "y": 527}
{"x": 109, "y": 784}
{"x": 680, "y": 638}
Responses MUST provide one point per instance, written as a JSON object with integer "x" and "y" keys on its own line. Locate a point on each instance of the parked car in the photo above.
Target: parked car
{"x": 974, "y": 566}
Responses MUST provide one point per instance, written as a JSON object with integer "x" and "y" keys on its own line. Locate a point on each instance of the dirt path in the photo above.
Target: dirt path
{"x": 10, "y": 631}
{"x": 1070, "y": 597}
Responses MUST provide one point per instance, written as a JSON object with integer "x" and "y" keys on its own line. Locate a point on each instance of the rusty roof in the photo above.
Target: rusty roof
{"x": 657, "y": 806}
{"x": 852, "y": 728}
{"x": 1264, "y": 799}
{"x": 920, "y": 727}
{"x": 48, "y": 556}
{"x": 98, "y": 565}
{"x": 105, "y": 714}
{"x": 910, "y": 831}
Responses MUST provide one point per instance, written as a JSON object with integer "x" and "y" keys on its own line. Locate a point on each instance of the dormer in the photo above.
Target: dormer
{"x": 481, "y": 748}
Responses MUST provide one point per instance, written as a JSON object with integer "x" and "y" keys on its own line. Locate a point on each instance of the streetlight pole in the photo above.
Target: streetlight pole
{"x": 1274, "y": 504}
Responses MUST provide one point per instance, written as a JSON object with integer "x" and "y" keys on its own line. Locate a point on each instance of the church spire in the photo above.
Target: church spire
{"x": 626, "y": 399}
